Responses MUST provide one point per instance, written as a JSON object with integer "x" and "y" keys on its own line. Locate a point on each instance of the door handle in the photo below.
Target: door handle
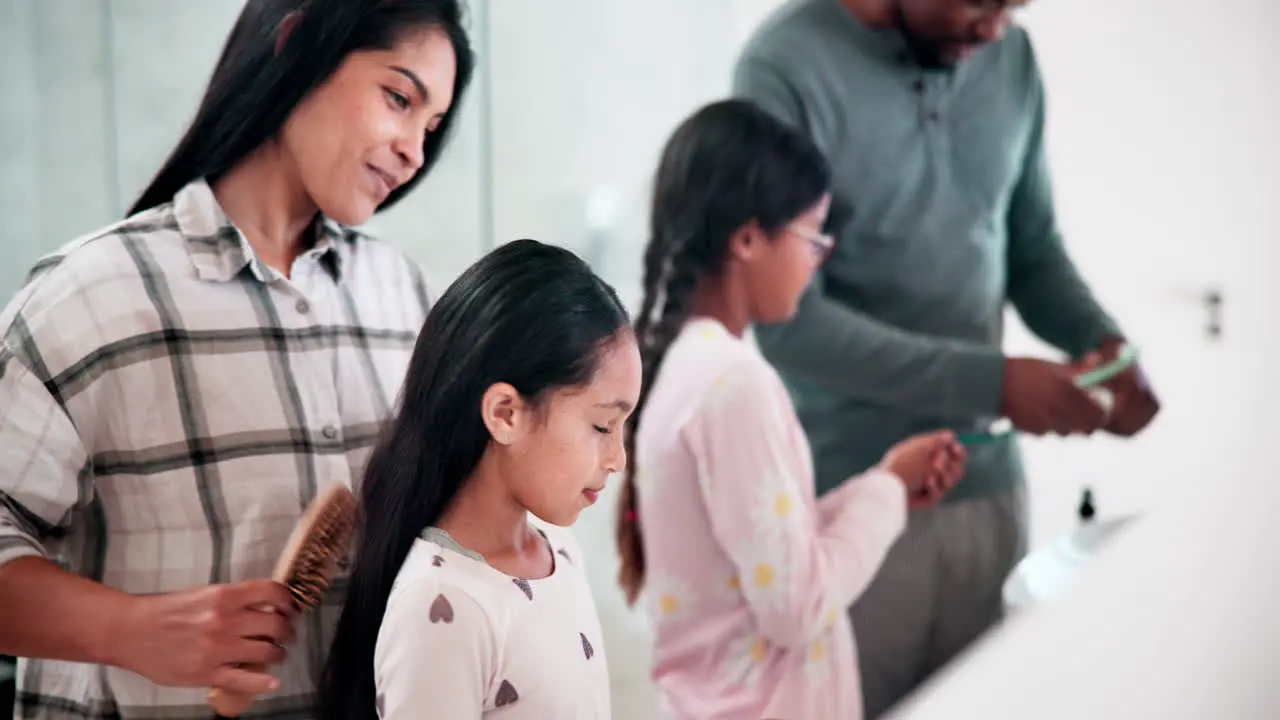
{"x": 1211, "y": 299}
{"x": 1213, "y": 310}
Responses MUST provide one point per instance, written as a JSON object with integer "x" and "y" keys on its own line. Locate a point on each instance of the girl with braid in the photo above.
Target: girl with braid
{"x": 745, "y": 573}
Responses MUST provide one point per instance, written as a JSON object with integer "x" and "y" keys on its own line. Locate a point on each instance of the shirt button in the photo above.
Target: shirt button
{"x": 330, "y": 432}
{"x": 934, "y": 117}
{"x": 917, "y": 86}
{"x": 304, "y": 307}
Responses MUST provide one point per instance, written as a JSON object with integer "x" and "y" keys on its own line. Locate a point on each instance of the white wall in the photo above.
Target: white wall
{"x": 1162, "y": 133}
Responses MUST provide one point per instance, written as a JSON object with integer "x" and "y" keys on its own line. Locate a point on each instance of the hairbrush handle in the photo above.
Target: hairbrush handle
{"x": 229, "y": 703}
{"x": 305, "y": 567}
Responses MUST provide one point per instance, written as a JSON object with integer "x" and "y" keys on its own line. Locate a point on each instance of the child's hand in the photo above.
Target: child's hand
{"x": 929, "y": 465}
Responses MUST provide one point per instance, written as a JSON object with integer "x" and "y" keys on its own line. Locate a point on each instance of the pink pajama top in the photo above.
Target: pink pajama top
{"x": 748, "y": 574}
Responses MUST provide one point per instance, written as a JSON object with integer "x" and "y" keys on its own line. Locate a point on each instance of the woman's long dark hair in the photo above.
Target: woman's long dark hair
{"x": 254, "y": 89}
{"x": 727, "y": 165}
{"x": 528, "y": 314}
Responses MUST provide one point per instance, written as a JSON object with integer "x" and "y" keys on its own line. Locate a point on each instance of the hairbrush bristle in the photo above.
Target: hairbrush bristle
{"x": 329, "y": 539}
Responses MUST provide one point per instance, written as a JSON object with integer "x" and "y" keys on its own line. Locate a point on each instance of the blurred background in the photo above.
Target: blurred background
{"x": 1164, "y": 134}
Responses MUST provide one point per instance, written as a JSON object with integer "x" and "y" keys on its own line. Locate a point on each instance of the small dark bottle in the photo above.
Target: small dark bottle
{"x": 1086, "y": 511}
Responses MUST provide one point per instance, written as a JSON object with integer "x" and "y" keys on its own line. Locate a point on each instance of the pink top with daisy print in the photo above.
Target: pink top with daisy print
{"x": 748, "y": 575}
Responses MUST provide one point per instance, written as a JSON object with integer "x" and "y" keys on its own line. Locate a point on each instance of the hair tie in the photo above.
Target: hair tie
{"x": 629, "y": 516}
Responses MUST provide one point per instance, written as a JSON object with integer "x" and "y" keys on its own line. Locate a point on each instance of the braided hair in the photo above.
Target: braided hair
{"x": 728, "y": 165}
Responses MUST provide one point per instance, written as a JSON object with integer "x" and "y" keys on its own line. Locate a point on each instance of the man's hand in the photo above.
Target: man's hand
{"x": 1041, "y": 397}
{"x": 1136, "y": 404}
{"x": 200, "y": 637}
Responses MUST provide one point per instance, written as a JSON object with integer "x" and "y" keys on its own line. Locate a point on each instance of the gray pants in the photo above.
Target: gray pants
{"x": 938, "y": 590}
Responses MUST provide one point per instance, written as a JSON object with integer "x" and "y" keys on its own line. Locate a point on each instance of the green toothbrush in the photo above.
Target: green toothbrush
{"x": 1094, "y": 378}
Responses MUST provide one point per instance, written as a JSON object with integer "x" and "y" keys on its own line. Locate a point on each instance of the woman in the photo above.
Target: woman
{"x": 746, "y": 573}
{"x": 461, "y": 605}
{"x": 176, "y": 387}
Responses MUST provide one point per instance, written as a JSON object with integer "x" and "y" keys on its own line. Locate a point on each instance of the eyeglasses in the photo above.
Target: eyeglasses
{"x": 822, "y": 243}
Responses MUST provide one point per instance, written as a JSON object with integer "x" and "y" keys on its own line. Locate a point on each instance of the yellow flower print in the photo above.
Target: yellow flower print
{"x": 745, "y": 659}
{"x": 818, "y": 659}
{"x": 776, "y": 509}
{"x": 763, "y": 575}
{"x": 668, "y": 598}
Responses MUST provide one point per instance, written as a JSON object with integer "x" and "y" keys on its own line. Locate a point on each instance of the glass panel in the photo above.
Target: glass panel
{"x": 161, "y": 56}
{"x": 55, "y": 161}
{"x": 584, "y": 95}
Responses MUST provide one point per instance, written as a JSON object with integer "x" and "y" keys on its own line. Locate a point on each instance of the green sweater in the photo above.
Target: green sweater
{"x": 943, "y": 212}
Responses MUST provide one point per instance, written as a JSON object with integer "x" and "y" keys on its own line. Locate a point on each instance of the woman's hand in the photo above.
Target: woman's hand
{"x": 206, "y": 636}
{"x": 929, "y": 465}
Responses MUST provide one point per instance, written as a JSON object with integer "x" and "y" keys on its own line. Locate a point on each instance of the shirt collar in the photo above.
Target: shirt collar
{"x": 219, "y": 251}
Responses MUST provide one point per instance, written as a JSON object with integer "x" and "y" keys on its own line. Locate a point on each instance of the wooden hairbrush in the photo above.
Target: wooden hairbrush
{"x": 306, "y": 567}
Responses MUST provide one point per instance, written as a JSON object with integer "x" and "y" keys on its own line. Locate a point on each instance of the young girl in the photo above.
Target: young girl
{"x": 747, "y": 574}
{"x": 461, "y": 604}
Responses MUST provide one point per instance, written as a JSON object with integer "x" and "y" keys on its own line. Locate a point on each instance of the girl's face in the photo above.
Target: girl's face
{"x": 360, "y": 134}
{"x": 778, "y": 269}
{"x": 556, "y": 458}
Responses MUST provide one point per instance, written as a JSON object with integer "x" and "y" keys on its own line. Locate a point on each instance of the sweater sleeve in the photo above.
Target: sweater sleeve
{"x": 44, "y": 467}
{"x": 757, "y": 484}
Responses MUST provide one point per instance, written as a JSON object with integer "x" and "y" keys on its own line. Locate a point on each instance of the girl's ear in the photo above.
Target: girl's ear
{"x": 503, "y": 411}
{"x": 745, "y": 242}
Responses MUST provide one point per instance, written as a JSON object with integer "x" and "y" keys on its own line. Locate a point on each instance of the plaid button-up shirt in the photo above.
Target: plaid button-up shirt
{"x": 168, "y": 407}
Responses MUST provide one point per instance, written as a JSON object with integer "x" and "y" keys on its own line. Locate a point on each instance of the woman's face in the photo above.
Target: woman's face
{"x": 781, "y": 268}
{"x": 557, "y": 457}
{"x": 360, "y": 135}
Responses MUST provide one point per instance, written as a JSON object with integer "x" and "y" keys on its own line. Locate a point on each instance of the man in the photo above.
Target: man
{"x": 932, "y": 113}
